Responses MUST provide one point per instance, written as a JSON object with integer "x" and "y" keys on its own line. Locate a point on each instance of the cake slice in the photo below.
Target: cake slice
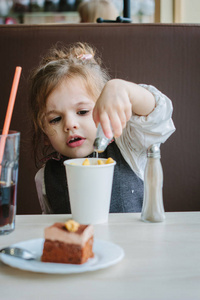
{"x": 69, "y": 243}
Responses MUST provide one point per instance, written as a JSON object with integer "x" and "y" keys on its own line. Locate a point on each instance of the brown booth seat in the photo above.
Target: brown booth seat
{"x": 166, "y": 56}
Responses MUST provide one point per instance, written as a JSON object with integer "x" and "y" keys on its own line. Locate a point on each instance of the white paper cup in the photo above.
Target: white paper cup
{"x": 89, "y": 190}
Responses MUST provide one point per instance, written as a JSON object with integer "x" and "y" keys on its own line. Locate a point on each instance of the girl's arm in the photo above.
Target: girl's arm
{"x": 118, "y": 101}
{"x": 143, "y": 131}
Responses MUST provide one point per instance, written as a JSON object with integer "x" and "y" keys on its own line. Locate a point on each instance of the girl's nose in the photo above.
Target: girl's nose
{"x": 70, "y": 126}
{"x": 68, "y": 129}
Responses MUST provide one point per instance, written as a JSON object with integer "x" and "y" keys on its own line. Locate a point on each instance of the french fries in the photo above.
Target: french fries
{"x": 99, "y": 162}
{"x": 86, "y": 162}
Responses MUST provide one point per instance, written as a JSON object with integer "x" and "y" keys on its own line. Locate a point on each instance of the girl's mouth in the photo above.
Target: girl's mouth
{"x": 75, "y": 141}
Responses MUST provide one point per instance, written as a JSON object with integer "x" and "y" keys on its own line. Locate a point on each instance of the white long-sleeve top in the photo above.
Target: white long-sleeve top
{"x": 140, "y": 133}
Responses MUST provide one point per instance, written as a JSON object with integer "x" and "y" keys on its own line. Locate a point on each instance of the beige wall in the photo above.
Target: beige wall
{"x": 166, "y": 11}
{"x": 179, "y": 11}
{"x": 190, "y": 11}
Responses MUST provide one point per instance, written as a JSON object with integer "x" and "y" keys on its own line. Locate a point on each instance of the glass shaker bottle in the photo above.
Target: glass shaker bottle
{"x": 153, "y": 209}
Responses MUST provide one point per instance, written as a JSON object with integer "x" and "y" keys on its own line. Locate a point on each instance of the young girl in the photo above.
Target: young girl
{"x": 70, "y": 94}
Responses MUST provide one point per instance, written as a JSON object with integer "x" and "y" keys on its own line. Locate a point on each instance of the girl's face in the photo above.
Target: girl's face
{"x": 69, "y": 123}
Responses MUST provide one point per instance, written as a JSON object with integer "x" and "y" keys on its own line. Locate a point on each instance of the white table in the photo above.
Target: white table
{"x": 162, "y": 261}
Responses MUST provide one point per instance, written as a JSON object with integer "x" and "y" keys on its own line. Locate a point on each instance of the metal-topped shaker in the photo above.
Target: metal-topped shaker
{"x": 153, "y": 209}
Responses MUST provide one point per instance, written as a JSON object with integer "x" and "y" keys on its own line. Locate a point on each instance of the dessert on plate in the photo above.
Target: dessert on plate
{"x": 69, "y": 243}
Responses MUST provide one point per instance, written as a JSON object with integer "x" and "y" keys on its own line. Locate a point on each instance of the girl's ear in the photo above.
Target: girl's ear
{"x": 46, "y": 140}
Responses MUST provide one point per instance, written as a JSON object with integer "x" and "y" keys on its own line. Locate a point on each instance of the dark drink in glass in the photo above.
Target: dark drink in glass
{"x": 7, "y": 204}
{"x": 9, "y": 159}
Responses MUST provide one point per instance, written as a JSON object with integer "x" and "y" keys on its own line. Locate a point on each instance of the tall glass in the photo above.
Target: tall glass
{"x": 9, "y": 162}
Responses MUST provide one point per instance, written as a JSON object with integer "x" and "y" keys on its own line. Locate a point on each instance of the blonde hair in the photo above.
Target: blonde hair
{"x": 90, "y": 10}
{"x": 61, "y": 63}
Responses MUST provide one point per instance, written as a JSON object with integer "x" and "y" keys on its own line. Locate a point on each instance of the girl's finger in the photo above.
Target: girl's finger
{"x": 96, "y": 116}
{"x": 105, "y": 124}
{"x": 128, "y": 112}
{"x": 123, "y": 119}
{"x": 116, "y": 125}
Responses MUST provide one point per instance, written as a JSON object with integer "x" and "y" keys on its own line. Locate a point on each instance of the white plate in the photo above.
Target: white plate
{"x": 105, "y": 254}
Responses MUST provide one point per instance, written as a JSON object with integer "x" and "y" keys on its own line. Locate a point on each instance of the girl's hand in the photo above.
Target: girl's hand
{"x": 113, "y": 108}
{"x": 120, "y": 99}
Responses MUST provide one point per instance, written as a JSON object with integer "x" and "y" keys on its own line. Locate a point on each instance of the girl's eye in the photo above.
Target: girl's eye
{"x": 82, "y": 112}
{"x": 55, "y": 120}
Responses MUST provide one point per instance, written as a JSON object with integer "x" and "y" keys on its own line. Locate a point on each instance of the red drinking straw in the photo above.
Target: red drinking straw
{"x": 9, "y": 112}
